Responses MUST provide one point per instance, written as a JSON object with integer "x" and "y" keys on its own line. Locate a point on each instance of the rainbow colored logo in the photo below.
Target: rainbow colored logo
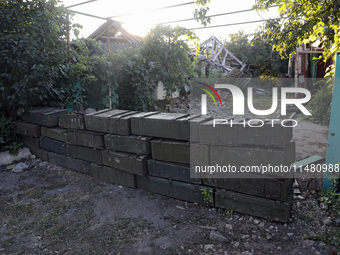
{"x": 209, "y": 93}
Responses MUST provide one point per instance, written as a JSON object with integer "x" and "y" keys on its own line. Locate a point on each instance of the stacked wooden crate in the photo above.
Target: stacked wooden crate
{"x": 239, "y": 145}
{"x": 169, "y": 168}
{"x": 153, "y": 151}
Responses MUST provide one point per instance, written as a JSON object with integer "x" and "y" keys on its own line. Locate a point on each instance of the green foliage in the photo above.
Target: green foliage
{"x": 8, "y": 140}
{"x": 257, "y": 52}
{"x": 34, "y": 55}
{"x": 201, "y": 13}
{"x": 166, "y": 49}
{"x": 304, "y": 22}
{"x": 331, "y": 197}
{"x": 320, "y": 105}
{"x": 206, "y": 196}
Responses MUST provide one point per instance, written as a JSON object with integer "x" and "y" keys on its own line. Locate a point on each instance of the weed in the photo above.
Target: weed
{"x": 206, "y": 196}
{"x": 331, "y": 197}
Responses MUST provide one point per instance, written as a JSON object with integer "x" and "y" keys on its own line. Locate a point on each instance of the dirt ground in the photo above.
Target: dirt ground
{"x": 50, "y": 210}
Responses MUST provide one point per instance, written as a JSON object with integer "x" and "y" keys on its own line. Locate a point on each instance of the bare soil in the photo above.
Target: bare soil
{"x": 51, "y": 210}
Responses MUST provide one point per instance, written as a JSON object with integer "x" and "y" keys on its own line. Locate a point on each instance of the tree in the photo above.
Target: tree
{"x": 303, "y": 21}
{"x": 166, "y": 49}
{"x": 34, "y": 69}
{"x": 257, "y": 52}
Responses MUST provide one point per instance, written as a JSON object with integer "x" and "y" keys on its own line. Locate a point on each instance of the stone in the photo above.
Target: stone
{"x": 217, "y": 236}
{"x": 321, "y": 244}
{"x": 246, "y": 253}
{"x": 323, "y": 206}
{"x": 19, "y": 167}
{"x": 327, "y": 221}
{"x": 256, "y": 222}
{"x": 268, "y": 236}
{"x": 90, "y": 110}
{"x": 290, "y": 234}
{"x": 245, "y": 236}
{"x": 208, "y": 247}
{"x": 261, "y": 225}
{"x": 228, "y": 227}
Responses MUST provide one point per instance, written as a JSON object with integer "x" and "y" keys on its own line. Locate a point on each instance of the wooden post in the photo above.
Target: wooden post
{"x": 333, "y": 148}
{"x": 108, "y": 51}
{"x": 68, "y": 36}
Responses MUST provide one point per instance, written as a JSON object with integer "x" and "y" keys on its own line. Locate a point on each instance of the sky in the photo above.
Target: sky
{"x": 142, "y": 19}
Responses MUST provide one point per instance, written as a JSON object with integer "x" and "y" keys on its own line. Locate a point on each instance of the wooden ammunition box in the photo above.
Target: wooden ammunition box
{"x": 48, "y": 117}
{"x": 171, "y": 150}
{"x": 131, "y": 163}
{"x": 114, "y": 175}
{"x": 163, "y": 125}
{"x": 54, "y": 145}
{"x": 173, "y": 171}
{"x": 86, "y": 138}
{"x": 251, "y": 205}
{"x": 180, "y": 190}
{"x": 27, "y": 129}
{"x": 86, "y": 153}
{"x": 81, "y": 166}
{"x": 240, "y": 133}
{"x": 72, "y": 121}
{"x": 59, "y": 134}
{"x": 133, "y": 144}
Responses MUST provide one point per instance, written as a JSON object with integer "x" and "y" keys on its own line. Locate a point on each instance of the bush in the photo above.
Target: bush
{"x": 320, "y": 105}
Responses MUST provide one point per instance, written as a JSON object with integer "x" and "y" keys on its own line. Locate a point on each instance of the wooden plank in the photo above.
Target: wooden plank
{"x": 59, "y": 134}
{"x": 86, "y": 153}
{"x": 171, "y": 151}
{"x": 251, "y": 205}
{"x": 163, "y": 125}
{"x": 240, "y": 133}
{"x": 81, "y": 166}
{"x": 86, "y": 138}
{"x": 27, "y": 129}
{"x": 48, "y": 117}
{"x": 114, "y": 175}
{"x": 72, "y": 121}
{"x": 133, "y": 144}
{"x": 40, "y": 153}
{"x": 173, "y": 171}
{"x": 131, "y": 163}
{"x": 54, "y": 145}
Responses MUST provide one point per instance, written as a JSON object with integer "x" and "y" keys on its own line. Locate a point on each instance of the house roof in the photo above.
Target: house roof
{"x": 117, "y": 34}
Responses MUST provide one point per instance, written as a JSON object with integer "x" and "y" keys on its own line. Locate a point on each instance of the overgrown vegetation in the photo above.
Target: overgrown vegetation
{"x": 320, "y": 105}
{"x": 34, "y": 55}
{"x": 8, "y": 140}
{"x": 258, "y": 53}
{"x": 331, "y": 198}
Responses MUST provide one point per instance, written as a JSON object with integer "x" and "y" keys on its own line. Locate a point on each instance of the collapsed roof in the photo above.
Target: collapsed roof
{"x": 216, "y": 56}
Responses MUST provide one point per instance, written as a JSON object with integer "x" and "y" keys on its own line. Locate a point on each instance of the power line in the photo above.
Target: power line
{"x": 161, "y": 8}
{"x": 231, "y": 24}
{"x": 74, "y": 5}
{"x": 210, "y": 16}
